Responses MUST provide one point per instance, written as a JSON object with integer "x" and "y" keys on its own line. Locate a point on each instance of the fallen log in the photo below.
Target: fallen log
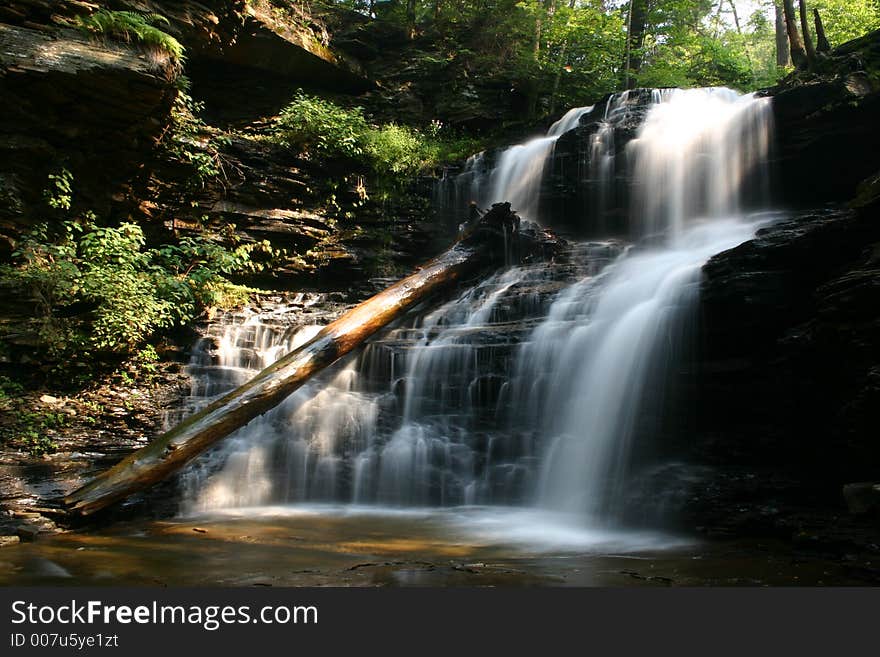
{"x": 174, "y": 449}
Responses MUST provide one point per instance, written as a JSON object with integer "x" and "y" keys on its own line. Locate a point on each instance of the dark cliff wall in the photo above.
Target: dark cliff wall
{"x": 69, "y": 103}
{"x": 101, "y": 108}
{"x": 826, "y": 125}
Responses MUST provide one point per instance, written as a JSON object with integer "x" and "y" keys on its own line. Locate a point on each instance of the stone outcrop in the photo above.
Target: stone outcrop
{"x": 98, "y": 108}
{"x": 826, "y": 125}
{"x": 270, "y": 192}
{"x": 67, "y": 102}
{"x": 781, "y": 398}
{"x": 247, "y": 58}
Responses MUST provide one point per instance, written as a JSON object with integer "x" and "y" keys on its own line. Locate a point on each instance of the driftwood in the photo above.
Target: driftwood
{"x": 174, "y": 449}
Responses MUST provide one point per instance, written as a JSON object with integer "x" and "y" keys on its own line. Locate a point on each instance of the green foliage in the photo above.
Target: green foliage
{"x": 190, "y": 140}
{"x": 59, "y": 194}
{"x": 29, "y": 432}
{"x": 319, "y": 127}
{"x": 101, "y": 291}
{"x": 24, "y": 427}
{"x": 697, "y": 62}
{"x": 845, "y": 20}
{"x": 549, "y": 55}
{"x": 142, "y": 367}
{"x": 9, "y": 388}
{"x": 132, "y": 26}
{"x": 394, "y": 149}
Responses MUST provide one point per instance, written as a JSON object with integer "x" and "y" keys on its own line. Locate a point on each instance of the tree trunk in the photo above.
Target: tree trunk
{"x": 822, "y": 44}
{"x": 718, "y": 19}
{"x": 798, "y": 55}
{"x": 637, "y": 21}
{"x": 177, "y": 447}
{"x": 560, "y": 64}
{"x": 808, "y": 40}
{"x": 558, "y": 77}
{"x": 783, "y": 57}
{"x": 411, "y": 18}
{"x": 740, "y": 33}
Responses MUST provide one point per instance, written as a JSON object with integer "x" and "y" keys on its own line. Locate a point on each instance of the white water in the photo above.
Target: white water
{"x": 609, "y": 341}
{"x": 602, "y": 345}
{"x": 695, "y": 155}
{"x": 518, "y": 173}
{"x": 528, "y": 389}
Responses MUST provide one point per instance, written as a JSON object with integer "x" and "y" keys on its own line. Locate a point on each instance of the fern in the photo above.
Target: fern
{"x": 133, "y": 26}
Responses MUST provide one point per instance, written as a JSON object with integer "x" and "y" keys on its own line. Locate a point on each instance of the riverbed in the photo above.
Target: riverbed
{"x": 364, "y": 546}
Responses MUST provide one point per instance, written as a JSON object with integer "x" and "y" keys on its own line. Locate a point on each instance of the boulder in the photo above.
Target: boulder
{"x": 862, "y": 497}
{"x": 829, "y": 117}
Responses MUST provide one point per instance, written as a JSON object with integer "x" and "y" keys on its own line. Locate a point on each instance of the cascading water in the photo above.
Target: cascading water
{"x": 516, "y": 177}
{"x": 418, "y": 418}
{"x": 527, "y": 389}
{"x": 605, "y": 343}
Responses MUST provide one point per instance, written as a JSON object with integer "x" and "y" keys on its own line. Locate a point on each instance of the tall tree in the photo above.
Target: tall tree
{"x": 808, "y": 40}
{"x": 740, "y": 32}
{"x": 637, "y": 23}
{"x": 411, "y": 18}
{"x": 798, "y": 54}
{"x": 559, "y": 66}
{"x": 783, "y": 57}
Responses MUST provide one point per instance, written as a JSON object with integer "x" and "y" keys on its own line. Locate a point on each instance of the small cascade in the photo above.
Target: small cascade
{"x": 516, "y": 177}
{"x": 235, "y": 345}
{"x": 419, "y": 417}
{"x": 569, "y": 121}
{"x": 700, "y": 154}
{"x": 601, "y": 157}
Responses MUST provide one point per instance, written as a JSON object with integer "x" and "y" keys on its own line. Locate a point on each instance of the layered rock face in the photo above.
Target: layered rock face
{"x": 787, "y": 377}
{"x": 69, "y": 103}
{"x": 826, "y": 125}
{"x": 783, "y": 395}
{"x": 269, "y": 192}
{"x": 99, "y": 108}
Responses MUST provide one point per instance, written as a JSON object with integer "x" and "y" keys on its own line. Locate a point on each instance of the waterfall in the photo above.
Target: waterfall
{"x": 517, "y": 176}
{"x": 529, "y": 388}
{"x": 606, "y": 343}
{"x": 696, "y": 156}
{"x": 417, "y": 418}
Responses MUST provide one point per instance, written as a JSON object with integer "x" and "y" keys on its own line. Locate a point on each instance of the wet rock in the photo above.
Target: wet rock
{"x": 28, "y": 533}
{"x": 862, "y": 497}
{"x": 786, "y": 380}
{"x": 829, "y": 117}
{"x": 6, "y": 541}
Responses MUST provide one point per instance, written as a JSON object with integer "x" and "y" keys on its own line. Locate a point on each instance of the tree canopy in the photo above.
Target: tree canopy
{"x": 561, "y": 52}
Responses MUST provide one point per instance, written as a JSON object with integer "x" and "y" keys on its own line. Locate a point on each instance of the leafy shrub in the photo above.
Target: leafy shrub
{"x": 395, "y": 149}
{"x": 189, "y": 139}
{"x": 316, "y": 125}
{"x": 133, "y": 26}
{"x": 100, "y": 290}
{"x": 59, "y": 195}
{"x": 320, "y": 127}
